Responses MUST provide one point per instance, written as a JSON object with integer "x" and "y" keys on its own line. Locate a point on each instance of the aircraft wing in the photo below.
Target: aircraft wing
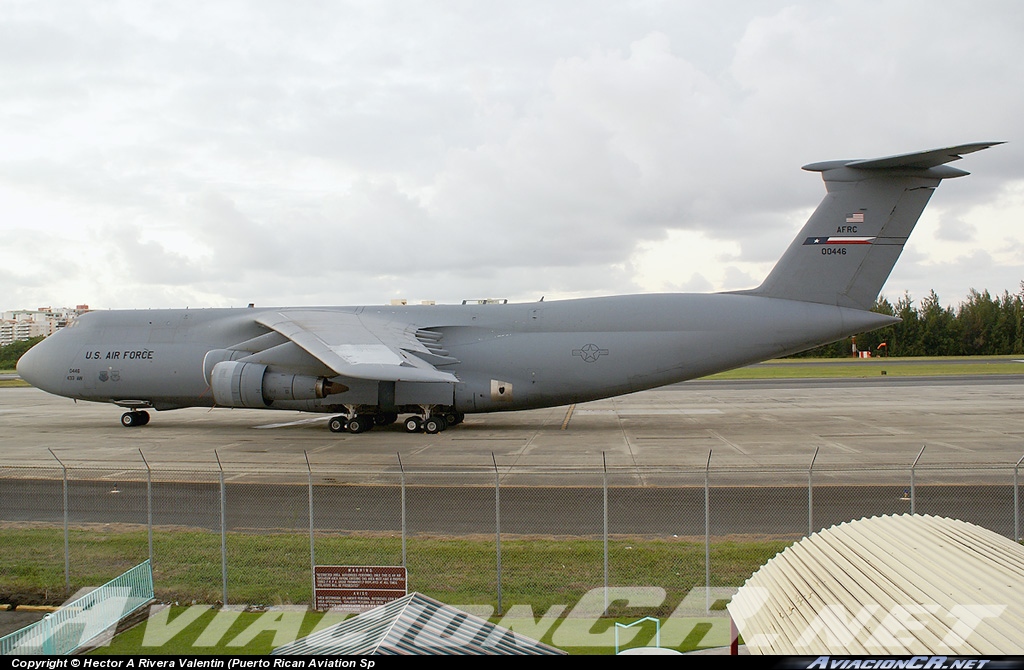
{"x": 358, "y": 345}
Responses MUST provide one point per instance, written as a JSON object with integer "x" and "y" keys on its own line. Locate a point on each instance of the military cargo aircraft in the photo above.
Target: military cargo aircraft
{"x": 436, "y": 363}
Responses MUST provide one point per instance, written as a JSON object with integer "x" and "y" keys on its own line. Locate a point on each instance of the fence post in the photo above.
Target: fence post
{"x": 67, "y": 551}
{"x": 913, "y": 487}
{"x": 223, "y": 532}
{"x": 149, "y": 505}
{"x": 312, "y": 545}
{"x": 604, "y": 534}
{"x": 810, "y": 493}
{"x": 402, "y": 469}
{"x": 707, "y": 534}
{"x": 497, "y": 526}
{"x": 1016, "y": 502}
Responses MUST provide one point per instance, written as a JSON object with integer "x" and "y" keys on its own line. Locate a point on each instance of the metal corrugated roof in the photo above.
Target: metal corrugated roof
{"x": 416, "y": 624}
{"x": 905, "y": 584}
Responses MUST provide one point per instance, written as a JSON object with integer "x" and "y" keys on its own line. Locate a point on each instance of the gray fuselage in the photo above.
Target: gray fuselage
{"x": 505, "y": 356}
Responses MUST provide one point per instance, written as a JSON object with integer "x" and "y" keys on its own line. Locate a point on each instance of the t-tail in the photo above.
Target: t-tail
{"x": 850, "y": 244}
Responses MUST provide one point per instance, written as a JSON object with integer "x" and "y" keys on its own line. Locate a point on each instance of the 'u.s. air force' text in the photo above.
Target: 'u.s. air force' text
{"x": 126, "y": 355}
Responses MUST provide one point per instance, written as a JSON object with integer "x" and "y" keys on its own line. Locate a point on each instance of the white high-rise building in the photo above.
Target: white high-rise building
{"x": 24, "y": 324}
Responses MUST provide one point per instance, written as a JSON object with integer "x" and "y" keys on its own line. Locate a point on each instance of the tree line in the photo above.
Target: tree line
{"x": 982, "y": 325}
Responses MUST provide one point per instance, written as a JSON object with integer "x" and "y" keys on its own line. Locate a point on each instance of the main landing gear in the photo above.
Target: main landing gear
{"x": 434, "y": 423}
{"x": 134, "y": 418}
{"x": 360, "y": 423}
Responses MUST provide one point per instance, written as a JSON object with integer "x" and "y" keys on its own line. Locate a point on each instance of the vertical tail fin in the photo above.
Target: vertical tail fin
{"x": 848, "y": 247}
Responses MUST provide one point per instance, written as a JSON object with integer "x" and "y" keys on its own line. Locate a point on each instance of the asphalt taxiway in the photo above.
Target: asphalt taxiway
{"x": 882, "y": 422}
{"x": 760, "y": 436}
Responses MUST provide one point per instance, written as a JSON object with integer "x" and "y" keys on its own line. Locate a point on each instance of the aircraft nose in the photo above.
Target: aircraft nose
{"x": 37, "y": 368}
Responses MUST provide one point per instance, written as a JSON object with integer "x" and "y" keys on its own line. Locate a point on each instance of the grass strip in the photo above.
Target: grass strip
{"x": 273, "y": 570}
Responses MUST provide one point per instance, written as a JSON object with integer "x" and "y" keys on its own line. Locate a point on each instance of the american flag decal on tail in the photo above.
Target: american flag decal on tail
{"x": 856, "y": 217}
{"x": 838, "y": 240}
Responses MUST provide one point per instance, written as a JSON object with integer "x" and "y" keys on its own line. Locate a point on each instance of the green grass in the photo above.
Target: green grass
{"x": 231, "y": 633}
{"x": 273, "y": 569}
{"x": 211, "y": 631}
{"x": 13, "y": 383}
{"x": 834, "y": 368}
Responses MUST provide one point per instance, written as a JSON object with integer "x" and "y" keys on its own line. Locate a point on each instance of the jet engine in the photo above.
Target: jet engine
{"x": 237, "y": 384}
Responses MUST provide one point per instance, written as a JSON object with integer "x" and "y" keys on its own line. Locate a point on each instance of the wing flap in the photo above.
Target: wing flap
{"x": 357, "y": 345}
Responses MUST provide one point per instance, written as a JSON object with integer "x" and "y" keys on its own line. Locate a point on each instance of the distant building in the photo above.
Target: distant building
{"x": 24, "y": 324}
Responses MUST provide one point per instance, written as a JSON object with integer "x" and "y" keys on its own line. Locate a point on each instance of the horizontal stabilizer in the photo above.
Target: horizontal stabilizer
{"x": 919, "y": 160}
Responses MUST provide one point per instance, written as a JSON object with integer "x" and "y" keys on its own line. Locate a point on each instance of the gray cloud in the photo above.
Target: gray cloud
{"x": 349, "y": 152}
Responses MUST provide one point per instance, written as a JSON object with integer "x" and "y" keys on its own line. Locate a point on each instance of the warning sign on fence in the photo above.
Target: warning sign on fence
{"x": 357, "y": 588}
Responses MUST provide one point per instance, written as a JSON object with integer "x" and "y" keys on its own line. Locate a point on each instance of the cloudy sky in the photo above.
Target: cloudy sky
{"x": 214, "y": 153}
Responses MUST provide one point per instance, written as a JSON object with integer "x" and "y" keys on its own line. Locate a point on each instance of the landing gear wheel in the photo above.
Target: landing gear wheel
{"x": 385, "y": 418}
{"x": 133, "y": 419}
{"x": 454, "y": 418}
{"x": 360, "y": 423}
{"x": 338, "y": 424}
{"x": 413, "y": 424}
{"x": 434, "y": 425}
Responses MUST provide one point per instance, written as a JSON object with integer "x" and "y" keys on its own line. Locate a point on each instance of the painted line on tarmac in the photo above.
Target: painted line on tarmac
{"x": 727, "y": 442}
{"x": 298, "y": 422}
{"x": 646, "y": 412}
{"x": 568, "y": 416}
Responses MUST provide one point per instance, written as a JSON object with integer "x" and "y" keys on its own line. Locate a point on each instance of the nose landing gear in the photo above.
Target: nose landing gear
{"x": 134, "y": 418}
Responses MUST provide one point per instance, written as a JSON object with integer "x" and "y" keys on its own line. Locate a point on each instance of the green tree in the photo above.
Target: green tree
{"x": 938, "y": 328}
{"x": 1009, "y": 327}
{"x": 978, "y": 319}
{"x": 905, "y": 334}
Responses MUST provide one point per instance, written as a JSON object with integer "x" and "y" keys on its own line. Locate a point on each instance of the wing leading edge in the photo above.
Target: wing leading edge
{"x": 358, "y": 345}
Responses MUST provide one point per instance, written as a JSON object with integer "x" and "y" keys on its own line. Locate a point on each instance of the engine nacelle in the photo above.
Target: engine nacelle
{"x": 236, "y": 384}
{"x": 215, "y": 356}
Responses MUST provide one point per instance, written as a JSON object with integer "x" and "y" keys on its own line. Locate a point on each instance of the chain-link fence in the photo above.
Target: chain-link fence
{"x": 476, "y": 536}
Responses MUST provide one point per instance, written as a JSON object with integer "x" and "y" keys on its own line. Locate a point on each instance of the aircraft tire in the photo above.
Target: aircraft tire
{"x": 385, "y": 418}
{"x": 145, "y": 417}
{"x": 360, "y": 423}
{"x": 413, "y": 424}
{"x": 454, "y": 418}
{"x": 338, "y": 424}
{"x": 434, "y": 425}
{"x": 133, "y": 419}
